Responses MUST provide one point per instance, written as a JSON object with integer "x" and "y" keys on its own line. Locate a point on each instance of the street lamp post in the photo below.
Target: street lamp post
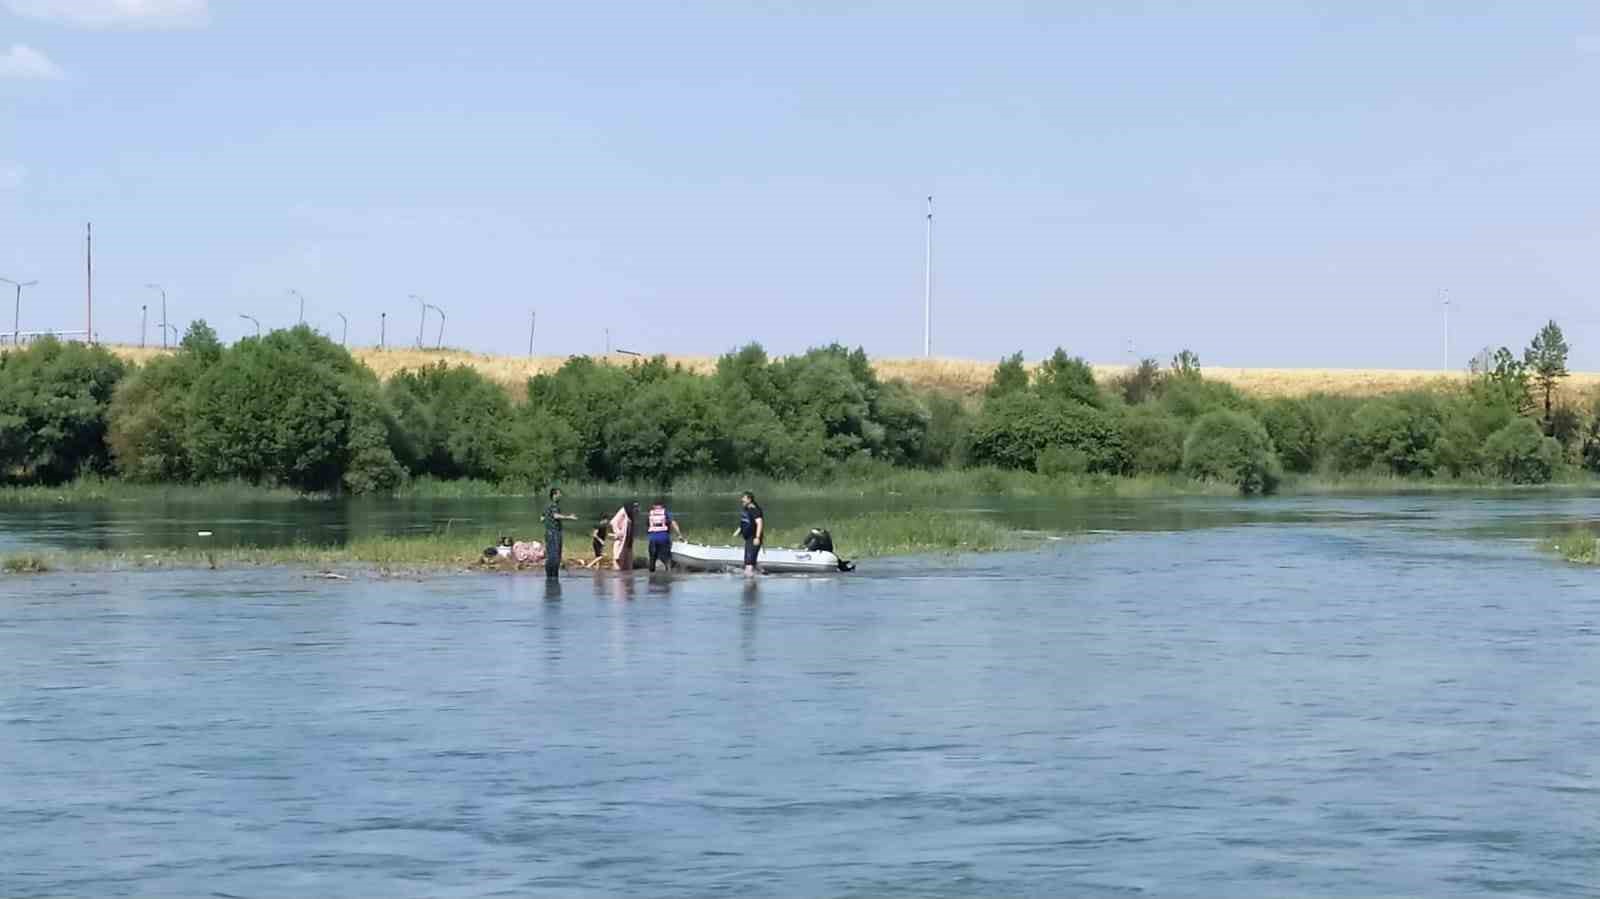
{"x": 164, "y": 334}
{"x": 383, "y": 329}
{"x": 143, "y": 318}
{"x": 163, "y": 312}
{"x": 252, "y": 320}
{"x": 440, "y": 343}
{"x": 424, "y": 322}
{"x": 16, "y": 319}
{"x": 345, "y": 334}
{"x": 302, "y": 300}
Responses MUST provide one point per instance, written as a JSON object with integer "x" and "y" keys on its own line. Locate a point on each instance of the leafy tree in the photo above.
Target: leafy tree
{"x": 1141, "y": 384}
{"x": 1399, "y": 434}
{"x": 1522, "y": 454}
{"x": 1293, "y": 429}
{"x": 1546, "y": 359}
{"x": 54, "y": 402}
{"x": 451, "y": 422}
{"x": 201, "y": 342}
{"x": 1186, "y": 364}
{"x": 1505, "y": 383}
{"x": 1014, "y": 430}
{"x": 1010, "y": 376}
{"x": 1155, "y": 440}
{"x": 1233, "y": 448}
{"x": 1067, "y": 378}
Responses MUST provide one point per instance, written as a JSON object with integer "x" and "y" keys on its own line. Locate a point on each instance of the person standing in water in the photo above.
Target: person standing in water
{"x": 661, "y": 526}
{"x": 622, "y": 533}
{"x": 753, "y": 528}
{"x": 553, "y": 516}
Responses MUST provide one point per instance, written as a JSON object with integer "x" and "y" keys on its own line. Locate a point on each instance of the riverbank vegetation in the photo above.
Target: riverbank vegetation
{"x": 294, "y": 412}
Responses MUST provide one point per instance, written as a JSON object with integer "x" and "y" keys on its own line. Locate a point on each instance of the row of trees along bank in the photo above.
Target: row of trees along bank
{"x": 294, "y": 409}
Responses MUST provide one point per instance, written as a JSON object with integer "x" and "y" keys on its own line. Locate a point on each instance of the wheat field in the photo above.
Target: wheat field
{"x": 957, "y": 377}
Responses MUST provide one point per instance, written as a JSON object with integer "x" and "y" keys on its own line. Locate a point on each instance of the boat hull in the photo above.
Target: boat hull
{"x": 698, "y": 557}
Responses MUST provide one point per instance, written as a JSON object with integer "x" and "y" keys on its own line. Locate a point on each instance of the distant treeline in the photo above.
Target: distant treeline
{"x": 294, "y": 409}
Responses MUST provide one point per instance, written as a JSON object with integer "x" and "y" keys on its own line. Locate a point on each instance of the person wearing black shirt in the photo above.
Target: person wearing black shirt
{"x": 553, "y": 516}
{"x": 753, "y": 528}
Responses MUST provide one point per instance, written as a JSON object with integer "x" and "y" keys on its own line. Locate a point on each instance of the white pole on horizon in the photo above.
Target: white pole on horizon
{"x": 1444, "y": 297}
{"x": 927, "y": 290}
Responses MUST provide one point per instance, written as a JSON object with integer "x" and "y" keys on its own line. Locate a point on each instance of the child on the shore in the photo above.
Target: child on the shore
{"x": 597, "y": 540}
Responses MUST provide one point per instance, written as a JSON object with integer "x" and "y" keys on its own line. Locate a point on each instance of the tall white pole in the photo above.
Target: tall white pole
{"x": 927, "y": 290}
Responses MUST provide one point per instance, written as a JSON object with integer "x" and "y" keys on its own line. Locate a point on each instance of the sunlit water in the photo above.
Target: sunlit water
{"x": 1196, "y": 698}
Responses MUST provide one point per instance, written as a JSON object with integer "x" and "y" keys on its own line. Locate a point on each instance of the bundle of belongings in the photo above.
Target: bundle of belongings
{"x": 529, "y": 552}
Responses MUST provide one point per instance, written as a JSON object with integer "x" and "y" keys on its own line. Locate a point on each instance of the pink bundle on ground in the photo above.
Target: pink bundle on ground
{"x": 530, "y": 552}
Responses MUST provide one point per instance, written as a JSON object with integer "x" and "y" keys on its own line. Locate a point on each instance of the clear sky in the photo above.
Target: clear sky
{"x": 1267, "y": 183}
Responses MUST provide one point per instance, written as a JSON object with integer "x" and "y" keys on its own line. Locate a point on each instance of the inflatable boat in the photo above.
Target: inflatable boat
{"x": 697, "y": 557}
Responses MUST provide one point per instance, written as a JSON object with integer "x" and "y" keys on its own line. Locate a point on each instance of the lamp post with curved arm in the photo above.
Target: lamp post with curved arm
{"x": 16, "y": 319}
{"x": 423, "y": 323}
{"x": 302, "y": 299}
{"x": 345, "y": 334}
{"x": 163, "y": 291}
{"x": 439, "y": 344}
{"x": 252, "y": 320}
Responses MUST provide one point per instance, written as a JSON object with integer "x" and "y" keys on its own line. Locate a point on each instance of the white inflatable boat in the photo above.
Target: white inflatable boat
{"x": 697, "y": 557}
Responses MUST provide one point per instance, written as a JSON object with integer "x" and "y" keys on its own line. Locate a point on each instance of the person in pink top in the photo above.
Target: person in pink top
{"x": 622, "y": 533}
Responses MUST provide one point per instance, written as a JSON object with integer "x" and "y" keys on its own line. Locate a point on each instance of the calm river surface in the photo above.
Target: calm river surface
{"x": 1323, "y": 696}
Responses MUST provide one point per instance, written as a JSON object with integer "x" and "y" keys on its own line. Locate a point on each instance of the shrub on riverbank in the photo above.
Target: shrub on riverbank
{"x": 54, "y": 399}
{"x": 1233, "y": 448}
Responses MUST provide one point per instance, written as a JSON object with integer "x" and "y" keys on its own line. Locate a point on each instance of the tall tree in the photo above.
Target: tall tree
{"x": 1010, "y": 376}
{"x": 1546, "y": 357}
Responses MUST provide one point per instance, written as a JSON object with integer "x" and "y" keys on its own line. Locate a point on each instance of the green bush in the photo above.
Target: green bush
{"x": 1293, "y": 429}
{"x": 1154, "y": 440}
{"x": 1010, "y": 376}
{"x": 1140, "y": 385}
{"x": 1398, "y": 434}
{"x": 452, "y": 423}
{"x": 1067, "y": 378}
{"x": 949, "y": 432}
{"x": 1189, "y": 396}
{"x": 1522, "y": 454}
{"x": 1061, "y": 461}
{"x": 1233, "y": 448}
{"x": 54, "y": 403}
{"x": 291, "y": 408}
{"x": 1014, "y": 430}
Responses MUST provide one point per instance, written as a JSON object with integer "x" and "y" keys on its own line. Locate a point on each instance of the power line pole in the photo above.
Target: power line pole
{"x": 88, "y": 283}
{"x": 383, "y": 328}
{"x": 143, "y": 319}
{"x": 533, "y": 324}
{"x": 927, "y": 290}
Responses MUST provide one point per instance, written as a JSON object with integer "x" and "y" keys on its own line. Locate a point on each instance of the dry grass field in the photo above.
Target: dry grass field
{"x": 959, "y": 377}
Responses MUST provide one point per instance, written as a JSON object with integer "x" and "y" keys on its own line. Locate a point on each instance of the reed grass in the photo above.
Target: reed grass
{"x": 1582, "y": 548}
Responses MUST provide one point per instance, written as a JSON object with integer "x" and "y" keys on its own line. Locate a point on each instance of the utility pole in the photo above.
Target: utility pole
{"x": 88, "y": 282}
{"x": 142, "y": 323}
{"x": 345, "y": 334}
{"x": 608, "y": 341}
{"x": 163, "y": 312}
{"x": 533, "y": 324}
{"x": 16, "y": 321}
{"x": 302, "y": 299}
{"x": 252, "y": 320}
{"x": 927, "y": 290}
{"x": 383, "y": 328}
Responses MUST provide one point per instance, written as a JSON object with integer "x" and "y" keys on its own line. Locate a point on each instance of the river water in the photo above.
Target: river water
{"x": 1200, "y": 697}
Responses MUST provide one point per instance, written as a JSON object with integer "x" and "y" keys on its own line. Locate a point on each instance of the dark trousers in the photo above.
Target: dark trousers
{"x": 552, "y": 558}
{"x": 661, "y": 550}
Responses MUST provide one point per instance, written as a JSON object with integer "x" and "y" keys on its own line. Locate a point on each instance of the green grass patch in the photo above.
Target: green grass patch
{"x": 24, "y": 564}
{"x": 1582, "y": 547}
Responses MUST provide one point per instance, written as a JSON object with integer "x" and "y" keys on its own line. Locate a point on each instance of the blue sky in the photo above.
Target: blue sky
{"x": 1267, "y": 183}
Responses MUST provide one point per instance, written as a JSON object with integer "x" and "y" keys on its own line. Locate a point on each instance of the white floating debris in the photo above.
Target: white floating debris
{"x": 202, "y": 533}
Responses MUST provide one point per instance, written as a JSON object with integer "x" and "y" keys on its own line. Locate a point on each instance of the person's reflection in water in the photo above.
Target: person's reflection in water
{"x": 659, "y": 585}
{"x": 552, "y": 589}
{"x": 749, "y": 610}
{"x": 622, "y": 587}
{"x": 552, "y": 620}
